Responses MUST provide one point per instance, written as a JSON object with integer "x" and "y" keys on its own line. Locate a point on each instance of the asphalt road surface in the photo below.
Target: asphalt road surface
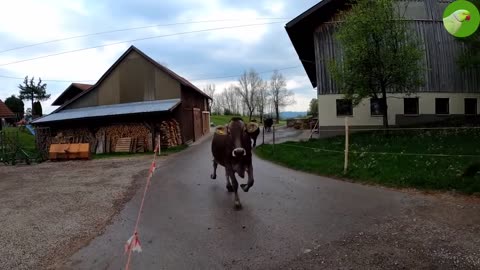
{"x": 289, "y": 220}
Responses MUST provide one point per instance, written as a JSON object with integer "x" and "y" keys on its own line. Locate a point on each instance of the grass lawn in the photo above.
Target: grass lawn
{"x": 27, "y": 140}
{"x": 224, "y": 119}
{"x": 164, "y": 152}
{"x": 404, "y": 171}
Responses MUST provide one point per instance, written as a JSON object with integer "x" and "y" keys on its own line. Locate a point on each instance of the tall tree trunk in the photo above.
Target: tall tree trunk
{"x": 277, "y": 113}
{"x": 384, "y": 105}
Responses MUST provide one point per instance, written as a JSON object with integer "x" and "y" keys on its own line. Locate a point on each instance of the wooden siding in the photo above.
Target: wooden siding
{"x": 442, "y": 73}
{"x": 191, "y": 102}
{"x": 134, "y": 79}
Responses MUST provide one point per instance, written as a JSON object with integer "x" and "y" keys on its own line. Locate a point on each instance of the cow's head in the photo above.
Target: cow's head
{"x": 236, "y": 131}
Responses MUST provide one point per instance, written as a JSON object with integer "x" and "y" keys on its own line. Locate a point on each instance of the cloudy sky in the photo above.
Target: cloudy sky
{"x": 201, "y": 57}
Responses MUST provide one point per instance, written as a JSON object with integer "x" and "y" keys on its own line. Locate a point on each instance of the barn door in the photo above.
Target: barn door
{"x": 206, "y": 122}
{"x": 197, "y": 123}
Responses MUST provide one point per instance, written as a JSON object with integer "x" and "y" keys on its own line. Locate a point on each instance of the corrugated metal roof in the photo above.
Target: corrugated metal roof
{"x": 111, "y": 110}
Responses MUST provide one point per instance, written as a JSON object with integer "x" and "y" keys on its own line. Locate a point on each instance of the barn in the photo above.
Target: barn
{"x": 137, "y": 101}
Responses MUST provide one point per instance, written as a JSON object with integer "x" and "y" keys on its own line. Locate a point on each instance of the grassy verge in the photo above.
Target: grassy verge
{"x": 404, "y": 171}
{"x": 164, "y": 152}
{"x": 26, "y": 139}
{"x": 224, "y": 119}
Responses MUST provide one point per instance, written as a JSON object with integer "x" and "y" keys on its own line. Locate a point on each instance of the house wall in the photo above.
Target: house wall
{"x": 134, "y": 79}
{"x": 361, "y": 114}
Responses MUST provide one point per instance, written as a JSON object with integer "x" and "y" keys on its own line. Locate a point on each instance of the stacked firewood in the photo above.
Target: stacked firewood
{"x": 138, "y": 132}
{"x": 170, "y": 134}
{"x": 76, "y": 135}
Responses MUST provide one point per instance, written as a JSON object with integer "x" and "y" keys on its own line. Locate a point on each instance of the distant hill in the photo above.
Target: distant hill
{"x": 290, "y": 114}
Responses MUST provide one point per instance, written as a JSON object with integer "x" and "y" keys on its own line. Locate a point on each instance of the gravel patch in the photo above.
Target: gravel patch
{"x": 439, "y": 234}
{"x": 52, "y": 209}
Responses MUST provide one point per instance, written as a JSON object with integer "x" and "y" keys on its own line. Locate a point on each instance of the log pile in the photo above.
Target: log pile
{"x": 138, "y": 132}
{"x": 76, "y": 135}
{"x": 170, "y": 134}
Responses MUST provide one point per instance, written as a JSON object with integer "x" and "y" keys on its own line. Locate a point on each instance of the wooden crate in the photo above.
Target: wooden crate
{"x": 69, "y": 151}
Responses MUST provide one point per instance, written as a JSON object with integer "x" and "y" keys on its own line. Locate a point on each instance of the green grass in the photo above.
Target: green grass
{"x": 27, "y": 140}
{"x": 422, "y": 172}
{"x": 164, "y": 152}
{"x": 224, "y": 119}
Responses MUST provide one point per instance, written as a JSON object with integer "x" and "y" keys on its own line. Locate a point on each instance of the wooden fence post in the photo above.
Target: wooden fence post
{"x": 345, "y": 165}
{"x": 274, "y": 139}
{"x": 263, "y": 135}
{"x": 158, "y": 141}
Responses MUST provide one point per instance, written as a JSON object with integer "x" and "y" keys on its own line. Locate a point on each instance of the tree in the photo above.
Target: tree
{"x": 380, "y": 54}
{"x": 15, "y": 105}
{"x": 262, "y": 99}
{"x": 250, "y": 84}
{"x": 37, "y": 108}
{"x": 210, "y": 90}
{"x": 33, "y": 92}
{"x": 313, "y": 108}
{"x": 281, "y": 97}
{"x": 470, "y": 58}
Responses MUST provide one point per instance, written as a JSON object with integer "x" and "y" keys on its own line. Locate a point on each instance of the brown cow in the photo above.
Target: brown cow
{"x": 231, "y": 148}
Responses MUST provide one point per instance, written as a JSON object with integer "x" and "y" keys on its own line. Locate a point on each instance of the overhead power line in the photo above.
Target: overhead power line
{"x": 204, "y": 79}
{"x": 238, "y": 75}
{"x": 137, "y": 39}
{"x": 127, "y": 29}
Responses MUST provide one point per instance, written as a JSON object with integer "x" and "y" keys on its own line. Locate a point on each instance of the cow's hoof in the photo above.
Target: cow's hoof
{"x": 213, "y": 176}
{"x": 238, "y": 205}
{"x": 245, "y": 187}
{"x": 229, "y": 188}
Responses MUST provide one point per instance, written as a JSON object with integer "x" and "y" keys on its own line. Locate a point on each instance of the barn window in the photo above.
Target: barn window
{"x": 442, "y": 106}
{"x": 344, "y": 107}
{"x": 470, "y": 106}
{"x": 375, "y": 107}
{"x": 410, "y": 106}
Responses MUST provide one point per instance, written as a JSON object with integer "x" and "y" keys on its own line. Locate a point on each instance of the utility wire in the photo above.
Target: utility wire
{"x": 223, "y": 77}
{"x": 137, "y": 39}
{"x": 125, "y": 30}
{"x": 204, "y": 79}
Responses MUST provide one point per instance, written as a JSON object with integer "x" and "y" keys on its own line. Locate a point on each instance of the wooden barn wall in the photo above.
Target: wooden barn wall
{"x": 134, "y": 79}
{"x": 441, "y": 51}
{"x": 190, "y": 100}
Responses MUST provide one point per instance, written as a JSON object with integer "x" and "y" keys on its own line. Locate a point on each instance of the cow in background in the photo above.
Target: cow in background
{"x": 268, "y": 123}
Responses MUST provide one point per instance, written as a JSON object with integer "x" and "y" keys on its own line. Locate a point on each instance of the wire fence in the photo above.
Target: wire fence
{"x": 435, "y": 152}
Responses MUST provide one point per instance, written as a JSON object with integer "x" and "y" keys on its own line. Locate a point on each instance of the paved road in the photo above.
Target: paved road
{"x": 189, "y": 221}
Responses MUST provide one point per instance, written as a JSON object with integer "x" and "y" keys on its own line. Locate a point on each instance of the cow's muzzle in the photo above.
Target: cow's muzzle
{"x": 238, "y": 152}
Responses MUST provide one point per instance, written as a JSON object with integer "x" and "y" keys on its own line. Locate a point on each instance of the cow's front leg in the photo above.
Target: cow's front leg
{"x": 229, "y": 185}
{"x": 214, "y": 174}
{"x": 234, "y": 181}
{"x": 249, "y": 184}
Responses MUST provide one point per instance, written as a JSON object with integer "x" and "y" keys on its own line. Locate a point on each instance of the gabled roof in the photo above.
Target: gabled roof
{"x": 301, "y": 32}
{"x": 132, "y": 48}
{"x": 71, "y": 91}
{"x": 5, "y": 112}
{"x": 111, "y": 110}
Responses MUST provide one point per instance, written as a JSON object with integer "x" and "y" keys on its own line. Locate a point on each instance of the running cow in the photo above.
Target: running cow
{"x": 231, "y": 148}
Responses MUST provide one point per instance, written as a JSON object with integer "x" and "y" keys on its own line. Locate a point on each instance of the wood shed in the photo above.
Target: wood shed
{"x": 135, "y": 101}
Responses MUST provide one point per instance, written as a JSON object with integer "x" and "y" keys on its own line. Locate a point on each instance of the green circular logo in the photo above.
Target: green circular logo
{"x": 461, "y": 18}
